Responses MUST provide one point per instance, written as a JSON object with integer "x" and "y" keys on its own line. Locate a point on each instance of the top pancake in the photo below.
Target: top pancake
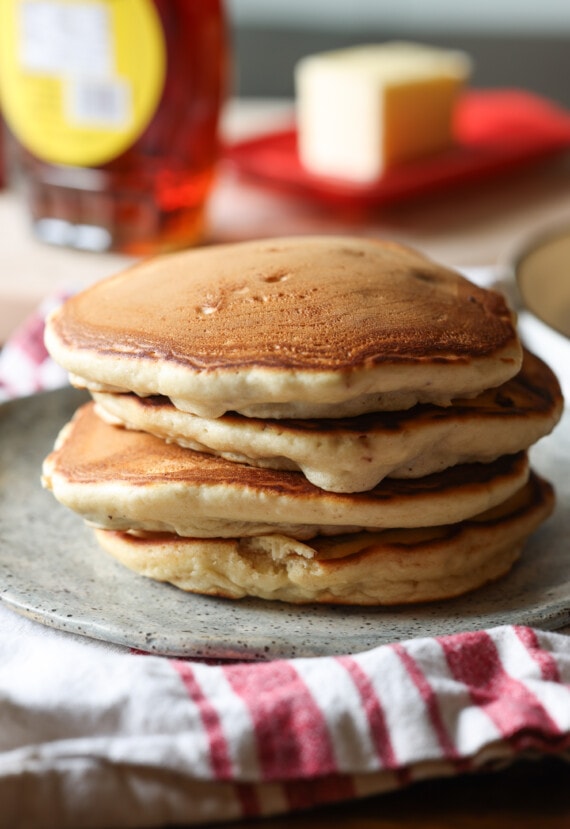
{"x": 288, "y": 327}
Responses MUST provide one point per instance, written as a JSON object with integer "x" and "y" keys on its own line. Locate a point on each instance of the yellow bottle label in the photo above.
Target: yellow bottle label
{"x": 80, "y": 80}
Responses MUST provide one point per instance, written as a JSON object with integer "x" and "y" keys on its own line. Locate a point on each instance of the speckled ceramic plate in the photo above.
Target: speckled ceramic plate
{"x": 52, "y": 570}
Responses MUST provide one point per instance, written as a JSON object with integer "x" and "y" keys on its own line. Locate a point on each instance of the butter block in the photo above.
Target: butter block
{"x": 366, "y": 109}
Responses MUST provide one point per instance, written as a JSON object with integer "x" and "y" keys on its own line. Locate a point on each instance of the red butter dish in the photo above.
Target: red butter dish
{"x": 497, "y": 131}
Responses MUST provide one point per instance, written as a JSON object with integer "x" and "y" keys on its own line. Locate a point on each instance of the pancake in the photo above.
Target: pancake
{"x": 355, "y": 454}
{"x": 126, "y": 480}
{"x": 289, "y": 327}
{"x": 386, "y": 568}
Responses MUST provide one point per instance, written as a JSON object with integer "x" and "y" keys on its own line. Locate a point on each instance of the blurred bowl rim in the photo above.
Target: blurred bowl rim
{"x": 511, "y": 262}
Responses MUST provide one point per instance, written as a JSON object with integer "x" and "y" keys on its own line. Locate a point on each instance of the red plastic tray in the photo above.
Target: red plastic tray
{"x": 496, "y": 132}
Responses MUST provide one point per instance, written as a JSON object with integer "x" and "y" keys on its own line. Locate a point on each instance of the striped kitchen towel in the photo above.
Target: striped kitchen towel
{"x": 25, "y": 366}
{"x": 96, "y": 737}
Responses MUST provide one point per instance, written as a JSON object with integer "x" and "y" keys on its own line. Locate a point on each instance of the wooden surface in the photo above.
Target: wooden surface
{"x": 528, "y": 795}
{"x": 476, "y": 226}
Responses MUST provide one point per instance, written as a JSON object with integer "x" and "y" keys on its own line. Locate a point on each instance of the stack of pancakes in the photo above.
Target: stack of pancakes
{"x": 311, "y": 419}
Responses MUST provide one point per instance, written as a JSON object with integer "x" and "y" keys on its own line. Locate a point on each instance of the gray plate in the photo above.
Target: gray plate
{"x": 51, "y": 570}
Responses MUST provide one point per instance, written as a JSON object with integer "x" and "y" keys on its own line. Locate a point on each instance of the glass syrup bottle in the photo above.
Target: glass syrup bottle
{"x": 114, "y": 106}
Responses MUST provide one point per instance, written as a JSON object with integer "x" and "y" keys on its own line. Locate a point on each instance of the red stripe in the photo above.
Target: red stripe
{"x": 219, "y": 754}
{"x": 247, "y": 796}
{"x": 473, "y": 660}
{"x": 546, "y": 662}
{"x": 29, "y": 339}
{"x": 290, "y": 731}
{"x": 303, "y": 794}
{"x": 374, "y": 712}
{"x": 431, "y": 703}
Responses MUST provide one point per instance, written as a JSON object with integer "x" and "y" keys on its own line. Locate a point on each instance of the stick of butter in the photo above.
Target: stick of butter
{"x": 365, "y": 109}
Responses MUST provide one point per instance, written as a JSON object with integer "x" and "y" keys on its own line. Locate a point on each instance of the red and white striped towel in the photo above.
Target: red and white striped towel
{"x": 96, "y": 736}
{"x": 25, "y": 366}
{"x": 99, "y": 738}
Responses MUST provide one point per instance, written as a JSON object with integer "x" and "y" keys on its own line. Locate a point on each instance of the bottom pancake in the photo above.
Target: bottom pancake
{"x": 380, "y": 568}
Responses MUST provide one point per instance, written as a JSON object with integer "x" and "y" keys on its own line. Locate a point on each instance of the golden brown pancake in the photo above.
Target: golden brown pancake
{"x": 300, "y": 327}
{"x": 125, "y": 480}
{"x": 386, "y": 568}
{"x": 355, "y": 454}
